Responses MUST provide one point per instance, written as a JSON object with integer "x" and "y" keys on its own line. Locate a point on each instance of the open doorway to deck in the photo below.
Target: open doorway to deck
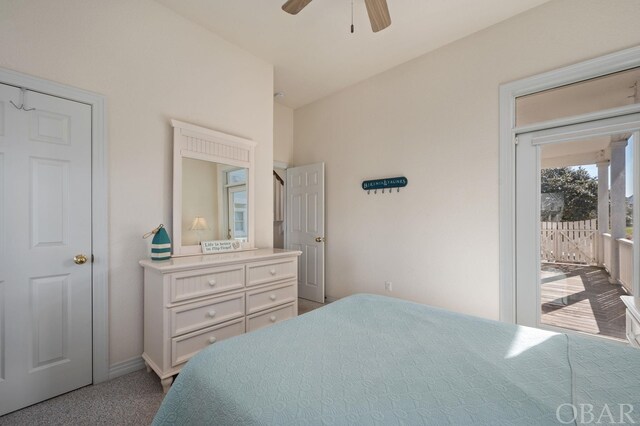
{"x": 575, "y": 243}
{"x": 586, "y": 233}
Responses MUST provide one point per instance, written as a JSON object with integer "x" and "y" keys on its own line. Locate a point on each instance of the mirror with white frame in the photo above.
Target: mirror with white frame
{"x": 212, "y": 189}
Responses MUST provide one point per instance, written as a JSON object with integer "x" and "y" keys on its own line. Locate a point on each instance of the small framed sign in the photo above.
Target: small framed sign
{"x": 387, "y": 183}
{"x": 218, "y": 246}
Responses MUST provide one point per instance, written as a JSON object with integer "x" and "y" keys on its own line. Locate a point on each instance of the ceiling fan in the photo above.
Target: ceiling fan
{"x": 377, "y": 9}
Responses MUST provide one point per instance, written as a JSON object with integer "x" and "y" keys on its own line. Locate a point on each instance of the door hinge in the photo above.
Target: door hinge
{"x": 515, "y": 140}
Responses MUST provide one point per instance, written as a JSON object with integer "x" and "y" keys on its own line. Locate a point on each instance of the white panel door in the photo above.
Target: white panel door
{"x": 305, "y": 227}
{"x": 45, "y": 220}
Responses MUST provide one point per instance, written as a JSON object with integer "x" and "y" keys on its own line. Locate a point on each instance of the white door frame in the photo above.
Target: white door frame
{"x": 99, "y": 205}
{"x": 619, "y": 61}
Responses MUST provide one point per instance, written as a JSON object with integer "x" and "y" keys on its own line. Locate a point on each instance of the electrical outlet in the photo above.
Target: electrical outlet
{"x": 388, "y": 286}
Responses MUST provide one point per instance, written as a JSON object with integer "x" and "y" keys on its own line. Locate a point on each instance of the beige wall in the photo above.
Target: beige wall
{"x": 151, "y": 65}
{"x": 435, "y": 121}
{"x": 282, "y": 133}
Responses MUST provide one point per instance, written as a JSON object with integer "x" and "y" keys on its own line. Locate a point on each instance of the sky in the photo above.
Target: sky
{"x": 593, "y": 169}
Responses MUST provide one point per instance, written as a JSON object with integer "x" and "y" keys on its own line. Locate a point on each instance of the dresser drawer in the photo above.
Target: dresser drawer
{"x": 264, "y": 298}
{"x": 195, "y": 316}
{"x": 272, "y": 271}
{"x": 633, "y": 330}
{"x": 270, "y": 317}
{"x": 203, "y": 282}
{"x": 184, "y": 347}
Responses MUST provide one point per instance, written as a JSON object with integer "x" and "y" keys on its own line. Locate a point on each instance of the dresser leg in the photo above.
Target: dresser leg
{"x": 146, "y": 364}
{"x": 166, "y": 384}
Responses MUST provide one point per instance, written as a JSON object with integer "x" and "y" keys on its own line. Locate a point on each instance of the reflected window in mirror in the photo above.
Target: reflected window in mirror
{"x": 236, "y": 199}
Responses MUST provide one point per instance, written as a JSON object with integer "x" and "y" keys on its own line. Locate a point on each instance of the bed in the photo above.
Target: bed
{"x": 374, "y": 360}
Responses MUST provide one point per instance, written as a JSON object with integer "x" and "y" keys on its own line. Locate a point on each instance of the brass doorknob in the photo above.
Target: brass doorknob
{"x": 80, "y": 259}
{"x": 319, "y": 239}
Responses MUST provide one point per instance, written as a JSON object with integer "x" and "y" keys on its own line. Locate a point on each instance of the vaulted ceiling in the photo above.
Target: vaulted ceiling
{"x": 314, "y": 54}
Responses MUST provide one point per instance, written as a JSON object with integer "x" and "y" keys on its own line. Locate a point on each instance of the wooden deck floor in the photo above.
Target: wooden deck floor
{"x": 580, "y": 297}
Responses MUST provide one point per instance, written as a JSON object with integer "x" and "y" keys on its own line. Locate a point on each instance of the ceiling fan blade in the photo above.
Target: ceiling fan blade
{"x": 378, "y": 14}
{"x": 295, "y": 6}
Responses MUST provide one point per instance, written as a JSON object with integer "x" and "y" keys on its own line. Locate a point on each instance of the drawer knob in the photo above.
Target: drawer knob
{"x": 272, "y": 271}
{"x": 212, "y": 282}
{"x": 212, "y": 340}
{"x": 272, "y": 297}
{"x": 272, "y": 318}
{"x": 211, "y": 313}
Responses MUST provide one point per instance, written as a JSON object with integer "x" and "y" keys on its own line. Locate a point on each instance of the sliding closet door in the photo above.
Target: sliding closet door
{"x": 45, "y": 247}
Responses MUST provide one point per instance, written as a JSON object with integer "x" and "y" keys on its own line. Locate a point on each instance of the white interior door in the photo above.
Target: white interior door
{"x": 305, "y": 227}
{"x": 566, "y": 142}
{"x": 45, "y": 220}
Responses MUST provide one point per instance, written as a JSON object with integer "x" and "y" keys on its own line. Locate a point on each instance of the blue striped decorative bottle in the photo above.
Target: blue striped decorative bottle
{"x": 161, "y": 245}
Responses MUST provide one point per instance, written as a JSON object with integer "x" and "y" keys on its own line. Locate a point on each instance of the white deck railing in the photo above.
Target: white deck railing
{"x": 625, "y": 258}
{"x": 606, "y": 239}
{"x": 626, "y": 263}
{"x": 571, "y": 242}
{"x": 576, "y": 242}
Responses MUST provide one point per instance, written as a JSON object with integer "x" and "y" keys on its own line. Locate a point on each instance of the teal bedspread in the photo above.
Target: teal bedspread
{"x": 373, "y": 360}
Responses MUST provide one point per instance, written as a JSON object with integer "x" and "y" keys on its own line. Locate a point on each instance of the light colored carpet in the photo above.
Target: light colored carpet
{"x": 305, "y": 306}
{"x": 128, "y": 400}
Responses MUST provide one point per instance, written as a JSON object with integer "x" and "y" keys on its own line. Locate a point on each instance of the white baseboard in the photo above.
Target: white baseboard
{"x": 126, "y": 367}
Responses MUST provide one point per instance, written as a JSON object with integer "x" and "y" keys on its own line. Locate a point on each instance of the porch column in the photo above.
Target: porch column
{"x": 618, "y": 204}
{"x": 603, "y": 207}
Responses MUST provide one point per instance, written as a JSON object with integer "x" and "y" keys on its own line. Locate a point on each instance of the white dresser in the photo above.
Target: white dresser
{"x": 192, "y": 302}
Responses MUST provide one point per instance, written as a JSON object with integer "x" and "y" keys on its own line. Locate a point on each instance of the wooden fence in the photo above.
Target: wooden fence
{"x": 569, "y": 242}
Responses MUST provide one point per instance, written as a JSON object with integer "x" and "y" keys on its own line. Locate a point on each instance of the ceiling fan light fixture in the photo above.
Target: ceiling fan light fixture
{"x": 378, "y": 12}
{"x": 379, "y": 16}
{"x": 295, "y": 6}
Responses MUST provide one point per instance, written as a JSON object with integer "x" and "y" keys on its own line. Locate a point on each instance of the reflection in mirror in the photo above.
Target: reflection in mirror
{"x": 214, "y": 202}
